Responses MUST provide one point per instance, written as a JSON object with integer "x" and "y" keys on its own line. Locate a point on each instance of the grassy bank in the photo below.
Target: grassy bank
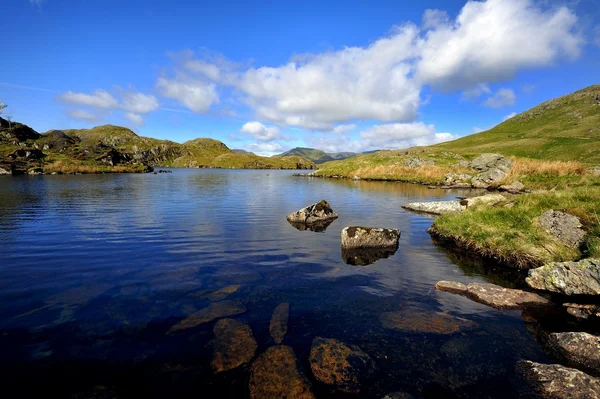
{"x": 512, "y": 233}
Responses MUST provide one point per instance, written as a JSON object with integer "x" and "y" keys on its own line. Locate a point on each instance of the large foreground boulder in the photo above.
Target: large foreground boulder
{"x": 579, "y": 349}
{"x": 565, "y": 227}
{"x": 554, "y": 381}
{"x": 369, "y": 237}
{"x": 315, "y": 213}
{"x": 568, "y": 278}
{"x": 493, "y": 295}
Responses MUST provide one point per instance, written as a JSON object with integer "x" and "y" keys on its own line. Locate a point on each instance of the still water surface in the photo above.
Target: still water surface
{"x": 96, "y": 269}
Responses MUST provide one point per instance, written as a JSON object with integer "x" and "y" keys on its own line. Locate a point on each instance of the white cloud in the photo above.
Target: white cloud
{"x": 82, "y": 115}
{"x": 135, "y": 118}
{"x": 502, "y": 98}
{"x": 98, "y": 99}
{"x": 139, "y": 103}
{"x": 435, "y": 19}
{"x": 261, "y": 132}
{"x": 266, "y": 149}
{"x": 509, "y": 116}
{"x": 196, "y": 95}
{"x": 343, "y": 128}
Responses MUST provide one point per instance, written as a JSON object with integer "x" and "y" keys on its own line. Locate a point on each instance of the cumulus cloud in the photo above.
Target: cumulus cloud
{"x": 135, "y": 118}
{"x": 343, "y": 128}
{"x": 98, "y": 99}
{"x": 197, "y": 95}
{"x": 476, "y": 92}
{"x": 261, "y": 132}
{"x": 266, "y": 149}
{"x": 82, "y": 115}
{"x": 509, "y": 116}
{"x": 139, "y": 103}
{"x": 502, "y": 98}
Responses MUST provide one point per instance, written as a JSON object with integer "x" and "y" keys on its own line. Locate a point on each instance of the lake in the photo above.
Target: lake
{"x": 96, "y": 270}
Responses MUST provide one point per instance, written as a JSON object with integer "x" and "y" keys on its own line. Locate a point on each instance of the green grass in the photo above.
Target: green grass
{"x": 513, "y": 235}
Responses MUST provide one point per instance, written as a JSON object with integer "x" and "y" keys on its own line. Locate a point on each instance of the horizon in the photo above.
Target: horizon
{"x": 356, "y": 79}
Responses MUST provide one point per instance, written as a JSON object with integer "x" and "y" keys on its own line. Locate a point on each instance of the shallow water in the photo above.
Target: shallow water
{"x": 96, "y": 269}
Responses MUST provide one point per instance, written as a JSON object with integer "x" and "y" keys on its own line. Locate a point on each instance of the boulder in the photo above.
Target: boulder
{"x": 568, "y": 278}
{"x": 334, "y": 363}
{"x": 488, "y": 178}
{"x": 214, "y": 311}
{"x": 554, "y": 381}
{"x": 417, "y": 162}
{"x": 565, "y": 227}
{"x": 276, "y": 374}
{"x": 579, "y": 349}
{"x": 233, "y": 345}
{"x": 454, "y": 178}
{"x": 369, "y": 237}
{"x": 489, "y": 200}
{"x": 419, "y": 321}
{"x": 582, "y": 311}
{"x": 491, "y": 161}
{"x": 515, "y": 187}
{"x": 279, "y": 322}
{"x": 319, "y": 212}
{"x": 493, "y": 295}
{"x": 436, "y": 207}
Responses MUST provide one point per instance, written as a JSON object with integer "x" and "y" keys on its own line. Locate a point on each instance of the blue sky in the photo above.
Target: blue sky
{"x": 268, "y": 76}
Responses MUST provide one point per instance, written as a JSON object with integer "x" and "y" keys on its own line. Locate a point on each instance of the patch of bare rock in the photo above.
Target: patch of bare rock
{"x": 565, "y": 227}
{"x": 493, "y": 295}
{"x": 443, "y": 207}
{"x": 579, "y": 349}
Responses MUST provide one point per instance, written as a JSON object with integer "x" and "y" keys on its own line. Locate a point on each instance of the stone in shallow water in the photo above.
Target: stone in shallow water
{"x": 345, "y": 367}
{"x": 554, "y": 381}
{"x": 279, "y": 322}
{"x": 369, "y": 237}
{"x": 318, "y": 212}
{"x": 223, "y": 293}
{"x": 568, "y": 278}
{"x": 417, "y": 321}
{"x": 436, "y": 207}
{"x": 233, "y": 345}
{"x": 276, "y": 374}
{"x": 213, "y": 311}
{"x": 580, "y": 349}
{"x": 493, "y": 295}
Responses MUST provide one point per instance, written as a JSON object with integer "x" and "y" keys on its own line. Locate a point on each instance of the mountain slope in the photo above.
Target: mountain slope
{"x": 317, "y": 156}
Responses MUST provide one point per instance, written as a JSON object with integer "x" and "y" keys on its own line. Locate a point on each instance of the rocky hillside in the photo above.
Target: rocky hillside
{"x": 108, "y": 148}
{"x": 317, "y": 156}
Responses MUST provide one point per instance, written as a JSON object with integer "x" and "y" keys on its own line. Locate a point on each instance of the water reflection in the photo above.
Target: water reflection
{"x": 366, "y": 256}
{"x": 317, "y": 227}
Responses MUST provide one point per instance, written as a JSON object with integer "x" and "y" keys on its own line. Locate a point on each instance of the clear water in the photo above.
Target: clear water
{"x": 96, "y": 269}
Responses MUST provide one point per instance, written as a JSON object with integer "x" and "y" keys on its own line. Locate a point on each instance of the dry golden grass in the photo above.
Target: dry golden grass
{"x": 62, "y": 167}
{"x": 424, "y": 174}
{"x": 528, "y": 166}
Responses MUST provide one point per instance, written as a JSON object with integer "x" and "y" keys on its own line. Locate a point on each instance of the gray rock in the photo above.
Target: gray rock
{"x": 568, "y": 278}
{"x": 582, "y": 311}
{"x": 513, "y": 188}
{"x": 417, "y": 162}
{"x": 493, "y": 295}
{"x": 491, "y": 161}
{"x": 4, "y": 172}
{"x": 553, "y": 381}
{"x": 567, "y": 228}
{"x": 279, "y": 322}
{"x": 315, "y": 213}
{"x": 489, "y": 200}
{"x": 454, "y": 178}
{"x": 580, "y": 349}
{"x": 436, "y": 207}
{"x": 369, "y": 237}
{"x": 487, "y": 178}
{"x": 345, "y": 367}
{"x": 233, "y": 345}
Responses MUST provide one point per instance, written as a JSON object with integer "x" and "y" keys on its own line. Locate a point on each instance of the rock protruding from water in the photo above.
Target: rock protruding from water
{"x": 317, "y": 227}
{"x": 214, "y": 311}
{"x": 315, "y": 213}
{"x": 418, "y": 321}
{"x": 279, "y": 322}
{"x": 276, "y": 374}
{"x": 493, "y": 295}
{"x": 565, "y": 227}
{"x": 366, "y": 256}
{"x": 493, "y": 167}
{"x": 554, "y": 381}
{"x": 233, "y": 345}
{"x": 344, "y": 367}
{"x": 436, "y": 207}
{"x": 568, "y": 278}
{"x": 582, "y": 311}
{"x": 579, "y": 349}
{"x": 369, "y": 237}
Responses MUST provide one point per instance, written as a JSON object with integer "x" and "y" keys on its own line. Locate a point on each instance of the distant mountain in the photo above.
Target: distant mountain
{"x": 317, "y": 156}
{"x": 240, "y": 151}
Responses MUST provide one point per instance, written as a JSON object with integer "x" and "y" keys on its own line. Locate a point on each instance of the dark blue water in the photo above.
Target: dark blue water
{"x": 96, "y": 269}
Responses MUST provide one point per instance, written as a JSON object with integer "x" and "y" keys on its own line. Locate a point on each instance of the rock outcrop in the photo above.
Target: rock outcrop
{"x": 344, "y": 367}
{"x": 493, "y": 295}
{"x": 553, "y": 381}
{"x": 493, "y": 167}
{"x": 579, "y": 349}
{"x": 568, "y": 278}
{"x": 565, "y": 227}
{"x": 276, "y": 374}
{"x": 582, "y": 311}
{"x": 214, "y": 311}
{"x": 279, "y": 322}
{"x": 369, "y": 237}
{"x": 315, "y": 213}
{"x": 233, "y": 345}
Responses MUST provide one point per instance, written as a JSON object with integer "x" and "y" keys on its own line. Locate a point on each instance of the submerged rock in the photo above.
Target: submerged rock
{"x": 568, "y": 278}
{"x": 436, "y": 207}
{"x": 554, "y": 381}
{"x": 319, "y": 212}
{"x": 582, "y": 311}
{"x": 580, "y": 349}
{"x": 214, "y": 311}
{"x": 233, "y": 345}
{"x": 369, "y": 237}
{"x": 345, "y": 367}
{"x": 366, "y": 256}
{"x": 493, "y": 295}
{"x": 279, "y": 322}
{"x": 417, "y": 321}
{"x": 276, "y": 374}
{"x": 567, "y": 228}
{"x": 223, "y": 293}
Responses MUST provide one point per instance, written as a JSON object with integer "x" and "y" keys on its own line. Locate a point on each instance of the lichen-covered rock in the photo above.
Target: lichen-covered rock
{"x": 582, "y": 311}
{"x": 436, "y": 207}
{"x": 568, "y": 278}
{"x": 553, "y": 381}
{"x": 276, "y": 374}
{"x": 454, "y": 178}
{"x": 567, "y": 228}
{"x": 489, "y": 200}
{"x": 369, "y": 237}
{"x": 214, "y": 311}
{"x": 487, "y": 178}
{"x": 491, "y": 161}
{"x": 493, "y": 295}
{"x": 579, "y": 349}
{"x": 345, "y": 367}
{"x": 233, "y": 345}
{"x": 319, "y": 212}
{"x": 279, "y": 322}
{"x": 513, "y": 188}
{"x": 417, "y": 321}
{"x": 417, "y": 162}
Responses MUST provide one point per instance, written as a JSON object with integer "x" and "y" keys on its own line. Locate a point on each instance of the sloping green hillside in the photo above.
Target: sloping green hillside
{"x": 317, "y": 156}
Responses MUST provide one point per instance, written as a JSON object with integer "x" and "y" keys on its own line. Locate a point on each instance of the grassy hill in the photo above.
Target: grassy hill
{"x": 317, "y": 156}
